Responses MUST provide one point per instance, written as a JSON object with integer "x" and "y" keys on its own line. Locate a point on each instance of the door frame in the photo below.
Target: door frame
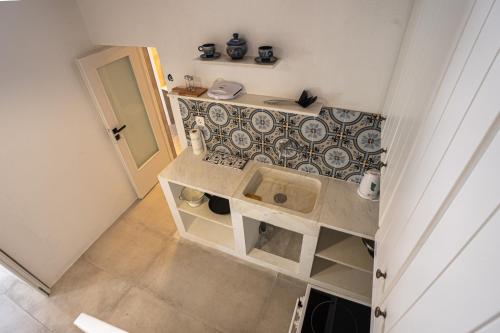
{"x": 88, "y": 67}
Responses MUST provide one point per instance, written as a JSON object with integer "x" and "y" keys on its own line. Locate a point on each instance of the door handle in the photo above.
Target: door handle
{"x": 379, "y": 274}
{"x": 116, "y": 132}
{"x": 380, "y": 313}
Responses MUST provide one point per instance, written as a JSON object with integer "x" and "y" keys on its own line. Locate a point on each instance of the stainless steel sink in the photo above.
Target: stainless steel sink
{"x": 283, "y": 189}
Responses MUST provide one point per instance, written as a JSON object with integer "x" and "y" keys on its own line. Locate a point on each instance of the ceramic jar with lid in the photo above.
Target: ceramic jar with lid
{"x": 236, "y": 47}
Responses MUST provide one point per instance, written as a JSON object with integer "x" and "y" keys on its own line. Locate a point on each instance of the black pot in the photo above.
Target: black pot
{"x": 218, "y": 205}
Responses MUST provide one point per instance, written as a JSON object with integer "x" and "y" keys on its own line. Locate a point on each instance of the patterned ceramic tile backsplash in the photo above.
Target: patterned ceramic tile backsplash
{"x": 337, "y": 143}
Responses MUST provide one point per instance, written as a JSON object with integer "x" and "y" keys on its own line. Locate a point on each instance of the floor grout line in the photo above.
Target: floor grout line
{"x": 267, "y": 302}
{"x": 24, "y": 310}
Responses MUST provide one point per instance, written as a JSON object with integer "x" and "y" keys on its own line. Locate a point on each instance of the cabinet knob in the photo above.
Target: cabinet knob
{"x": 379, "y": 313}
{"x": 379, "y": 274}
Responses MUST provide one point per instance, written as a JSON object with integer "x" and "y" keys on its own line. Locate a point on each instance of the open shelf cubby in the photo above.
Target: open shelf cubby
{"x": 205, "y": 213}
{"x": 344, "y": 280}
{"x": 206, "y": 230}
{"x": 278, "y": 247}
{"x": 345, "y": 249}
{"x": 203, "y": 224}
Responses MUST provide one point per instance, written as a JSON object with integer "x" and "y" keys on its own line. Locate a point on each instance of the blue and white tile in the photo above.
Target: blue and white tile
{"x": 346, "y": 116}
{"x": 368, "y": 140}
{"x": 313, "y": 130}
{"x": 337, "y": 157}
{"x": 218, "y": 114}
{"x": 334, "y": 125}
{"x": 262, "y": 121}
{"x": 365, "y": 121}
{"x": 324, "y": 141}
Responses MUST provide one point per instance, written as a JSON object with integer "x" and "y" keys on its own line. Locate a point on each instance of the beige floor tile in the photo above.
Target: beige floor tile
{"x": 140, "y": 276}
{"x": 153, "y": 212}
{"x": 126, "y": 249}
{"x": 84, "y": 288}
{"x": 140, "y": 311}
{"x": 277, "y": 315}
{"x": 216, "y": 288}
{"x": 42, "y": 308}
{"x": 15, "y": 319}
{"x": 7, "y": 279}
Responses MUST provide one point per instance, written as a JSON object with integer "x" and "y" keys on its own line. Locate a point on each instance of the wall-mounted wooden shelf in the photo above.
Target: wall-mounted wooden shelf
{"x": 247, "y": 61}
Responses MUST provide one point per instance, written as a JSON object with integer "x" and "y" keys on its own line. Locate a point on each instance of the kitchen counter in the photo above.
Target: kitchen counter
{"x": 190, "y": 170}
{"x": 331, "y": 253}
{"x": 344, "y": 210}
{"x": 340, "y": 207}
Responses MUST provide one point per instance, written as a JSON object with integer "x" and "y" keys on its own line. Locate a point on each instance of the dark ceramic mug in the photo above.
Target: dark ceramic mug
{"x": 207, "y": 49}
{"x": 265, "y": 53}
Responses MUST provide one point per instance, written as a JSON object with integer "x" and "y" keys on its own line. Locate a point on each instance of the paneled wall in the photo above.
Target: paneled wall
{"x": 338, "y": 143}
{"x": 440, "y": 194}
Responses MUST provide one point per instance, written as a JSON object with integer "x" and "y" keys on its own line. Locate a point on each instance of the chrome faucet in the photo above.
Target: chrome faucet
{"x": 287, "y": 146}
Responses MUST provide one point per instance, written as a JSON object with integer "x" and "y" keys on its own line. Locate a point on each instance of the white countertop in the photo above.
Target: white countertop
{"x": 340, "y": 206}
{"x": 344, "y": 210}
{"x": 190, "y": 170}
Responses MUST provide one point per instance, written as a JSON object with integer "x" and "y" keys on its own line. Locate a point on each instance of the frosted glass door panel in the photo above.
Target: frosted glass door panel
{"x": 124, "y": 95}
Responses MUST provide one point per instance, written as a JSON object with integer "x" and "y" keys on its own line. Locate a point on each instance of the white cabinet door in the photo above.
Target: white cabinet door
{"x": 435, "y": 208}
{"x": 429, "y": 44}
{"x": 473, "y": 208}
{"x": 460, "y": 130}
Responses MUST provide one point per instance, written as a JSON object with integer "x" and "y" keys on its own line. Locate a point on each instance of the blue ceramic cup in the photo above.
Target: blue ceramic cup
{"x": 266, "y": 53}
{"x": 207, "y": 49}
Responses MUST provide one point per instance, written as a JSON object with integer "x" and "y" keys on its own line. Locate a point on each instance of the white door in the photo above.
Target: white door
{"x": 436, "y": 243}
{"x": 119, "y": 82}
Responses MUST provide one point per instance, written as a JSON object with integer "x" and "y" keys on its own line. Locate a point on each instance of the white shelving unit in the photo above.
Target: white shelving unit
{"x": 343, "y": 280}
{"x": 205, "y": 213}
{"x": 343, "y": 264}
{"x": 281, "y": 263}
{"x": 332, "y": 255}
{"x": 247, "y": 61}
{"x": 344, "y": 249}
{"x": 214, "y": 233}
{"x": 203, "y": 225}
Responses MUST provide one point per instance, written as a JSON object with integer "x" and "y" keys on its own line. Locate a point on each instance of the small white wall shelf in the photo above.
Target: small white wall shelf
{"x": 257, "y": 102}
{"x": 247, "y": 61}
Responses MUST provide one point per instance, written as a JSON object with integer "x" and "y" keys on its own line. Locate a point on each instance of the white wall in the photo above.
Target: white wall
{"x": 343, "y": 50}
{"x": 62, "y": 183}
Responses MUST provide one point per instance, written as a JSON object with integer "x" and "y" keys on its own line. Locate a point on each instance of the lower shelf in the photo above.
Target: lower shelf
{"x": 274, "y": 260}
{"x": 204, "y": 212}
{"x": 344, "y": 249}
{"x": 211, "y": 232}
{"x": 348, "y": 282}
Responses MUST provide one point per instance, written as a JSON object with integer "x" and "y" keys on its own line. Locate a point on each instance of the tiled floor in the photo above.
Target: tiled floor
{"x": 141, "y": 277}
